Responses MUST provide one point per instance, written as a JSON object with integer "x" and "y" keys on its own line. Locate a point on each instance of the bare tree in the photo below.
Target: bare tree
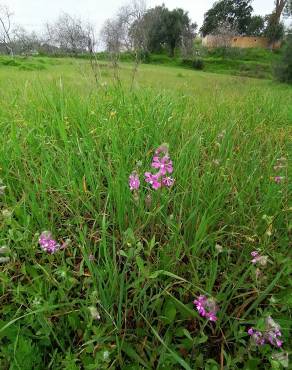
{"x": 126, "y": 32}
{"x": 70, "y": 34}
{"x": 279, "y": 9}
{"x": 5, "y": 28}
{"x": 25, "y": 42}
{"x": 223, "y": 34}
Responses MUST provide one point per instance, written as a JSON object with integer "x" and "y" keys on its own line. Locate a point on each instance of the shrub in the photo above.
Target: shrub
{"x": 198, "y": 64}
{"x": 283, "y": 70}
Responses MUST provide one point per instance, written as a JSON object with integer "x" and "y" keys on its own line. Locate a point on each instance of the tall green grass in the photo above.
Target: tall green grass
{"x": 67, "y": 149}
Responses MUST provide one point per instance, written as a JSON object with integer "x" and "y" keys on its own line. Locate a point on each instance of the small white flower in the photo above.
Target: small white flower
{"x": 6, "y": 213}
{"x": 106, "y": 355}
{"x": 219, "y": 248}
{"x": 94, "y": 313}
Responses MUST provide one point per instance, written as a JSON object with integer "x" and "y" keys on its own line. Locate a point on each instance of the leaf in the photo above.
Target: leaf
{"x": 132, "y": 354}
{"x": 169, "y": 311}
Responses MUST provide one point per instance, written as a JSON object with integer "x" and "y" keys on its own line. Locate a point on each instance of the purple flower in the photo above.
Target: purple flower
{"x": 257, "y": 336}
{"x": 164, "y": 164}
{"x": 206, "y": 307}
{"x": 134, "y": 181}
{"x": 163, "y": 148}
{"x": 271, "y": 334}
{"x": 47, "y": 243}
{"x": 153, "y": 180}
{"x": 257, "y": 258}
{"x": 278, "y": 179}
{"x": 168, "y": 181}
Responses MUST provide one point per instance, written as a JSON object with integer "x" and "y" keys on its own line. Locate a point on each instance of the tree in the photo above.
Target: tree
{"x": 284, "y": 69}
{"x": 25, "y": 42}
{"x": 177, "y": 25}
{"x": 70, "y": 34}
{"x": 5, "y": 28}
{"x": 236, "y": 12}
{"x": 275, "y": 29}
{"x": 167, "y": 28}
{"x": 256, "y": 26}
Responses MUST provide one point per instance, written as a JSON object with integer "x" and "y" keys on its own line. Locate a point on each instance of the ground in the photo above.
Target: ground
{"x": 119, "y": 292}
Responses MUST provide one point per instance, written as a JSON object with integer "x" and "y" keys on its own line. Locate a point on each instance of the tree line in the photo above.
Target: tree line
{"x": 142, "y": 30}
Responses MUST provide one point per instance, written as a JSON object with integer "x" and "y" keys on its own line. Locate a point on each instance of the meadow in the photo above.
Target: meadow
{"x": 118, "y": 292}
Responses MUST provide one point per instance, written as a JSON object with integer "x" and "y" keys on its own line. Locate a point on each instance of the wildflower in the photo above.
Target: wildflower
{"x": 273, "y": 332}
{"x": 270, "y": 334}
{"x": 164, "y": 164}
{"x": 257, "y": 258}
{"x": 221, "y": 135}
{"x": 37, "y": 301}
{"x": 257, "y": 336}
{"x": 219, "y": 248}
{"x": 148, "y": 200}
{"x": 278, "y": 179}
{"x": 206, "y": 307}
{"x": 6, "y": 213}
{"x": 47, "y": 243}
{"x": 153, "y": 180}
{"x": 2, "y": 187}
{"x": 163, "y": 148}
{"x": 134, "y": 181}
{"x": 168, "y": 181}
{"x": 91, "y": 257}
{"x": 94, "y": 313}
{"x": 113, "y": 114}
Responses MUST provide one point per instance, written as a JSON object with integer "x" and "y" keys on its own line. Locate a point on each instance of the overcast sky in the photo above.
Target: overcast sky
{"x": 32, "y": 14}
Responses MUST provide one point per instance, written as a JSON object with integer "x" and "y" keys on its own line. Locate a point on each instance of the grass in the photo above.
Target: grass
{"x": 255, "y": 63}
{"x": 67, "y": 149}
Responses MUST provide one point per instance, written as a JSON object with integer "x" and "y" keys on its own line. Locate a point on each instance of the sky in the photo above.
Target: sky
{"x": 32, "y": 14}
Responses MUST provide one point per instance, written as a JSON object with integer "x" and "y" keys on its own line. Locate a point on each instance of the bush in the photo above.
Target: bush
{"x": 197, "y": 63}
{"x": 283, "y": 70}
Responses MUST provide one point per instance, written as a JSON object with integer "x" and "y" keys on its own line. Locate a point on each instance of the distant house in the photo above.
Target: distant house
{"x": 216, "y": 41}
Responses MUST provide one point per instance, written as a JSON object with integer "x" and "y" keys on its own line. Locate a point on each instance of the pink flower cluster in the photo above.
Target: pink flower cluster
{"x": 206, "y": 307}
{"x": 162, "y": 162}
{"x": 271, "y": 334}
{"x": 47, "y": 243}
{"x": 258, "y": 259}
{"x": 279, "y": 166}
{"x": 134, "y": 181}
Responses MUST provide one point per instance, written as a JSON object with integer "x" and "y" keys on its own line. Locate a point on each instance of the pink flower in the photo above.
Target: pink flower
{"x": 206, "y": 307}
{"x": 164, "y": 164}
{"x": 270, "y": 334}
{"x": 163, "y": 148}
{"x": 134, "y": 181}
{"x": 262, "y": 260}
{"x": 47, "y": 243}
{"x": 153, "y": 180}
{"x": 278, "y": 179}
{"x": 168, "y": 181}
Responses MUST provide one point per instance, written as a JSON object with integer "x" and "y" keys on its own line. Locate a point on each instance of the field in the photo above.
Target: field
{"x": 119, "y": 292}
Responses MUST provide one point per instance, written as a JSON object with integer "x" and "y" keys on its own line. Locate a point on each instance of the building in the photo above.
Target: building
{"x": 217, "y": 41}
